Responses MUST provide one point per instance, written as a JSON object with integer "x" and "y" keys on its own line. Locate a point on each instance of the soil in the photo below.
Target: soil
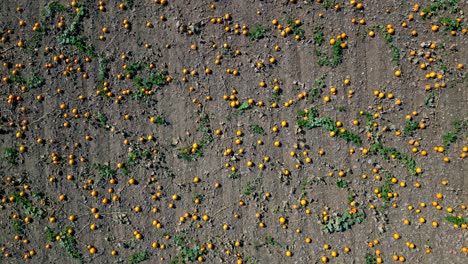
{"x": 31, "y": 182}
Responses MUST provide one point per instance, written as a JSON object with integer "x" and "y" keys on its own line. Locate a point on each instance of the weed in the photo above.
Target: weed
{"x": 102, "y": 120}
{"x": 160, "y": 121}
{"x": 138, "y": 154}
{"x": 248, "y": 190}
{"x": 156, "y": 79}
{"x": 244, "y": 106}
{"x": 188, "y": 254}
{"x": 138, "y": 257}
{"x": 449, "y": 138}
{"x": 341, "y": 184}
{"x": 28, "y": 206}
{"x": 10, "y": 155}
{"x": 275, "y": 97}
{"x": 335, "y": 58}
{"x": 36, "y": 39}
{"x": 389, "y": 41}
{"x": 31, "y": 82}
{"x": 67, "y": 241}
{"x": 311, "y": 120}
{"x": 257, "y": 129}
{"x": 258, "y": 32}
{"x": 387, "y": 153}
{"x": 18, "y": 226}
{"x": 70, "y": 35}
{"x": 318, "y": 35}
{"x": 410, "y": 127}
{"x": 341, "y": 223}
{"x": 133, "y": 69}
{"x": 456, "y": 220}
{"x": 102, "y": 70}
{"x": 129, "y": 3}
{"x": 327, "y": 4}
{"x": 429, "y": 101}
{"x": 234, "y": 175}
{"x": 296, "y": 28}
{"x": 370, "y": 259}
{"x": 451, "y": 24}
{"x": 341, "y": 108}
{"x": 386, "y": 188}
{"x": 437, "y": 5}
{"x": 179, "y": 240}
{"x": 271, "y": 241}
{"x": 316, "y": 89}
{"x": 105, "y": 171}
{"x": 51, "y": 8}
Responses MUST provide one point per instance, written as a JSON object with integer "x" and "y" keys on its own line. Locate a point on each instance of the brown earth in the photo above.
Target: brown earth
{"x": 366, "y": 62}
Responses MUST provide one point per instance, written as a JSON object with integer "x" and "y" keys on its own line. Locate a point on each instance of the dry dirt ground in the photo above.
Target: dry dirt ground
{"x": 106, "y": 159}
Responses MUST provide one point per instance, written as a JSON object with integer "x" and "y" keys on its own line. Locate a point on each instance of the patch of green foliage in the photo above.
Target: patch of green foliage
{"x": 188, "y": 254}
{"x": 156, "y": 79}
{"x": 318, "y": 35}
{"x": 234, "y": 175}
{"x": 430, "y": 98}
{"x": 296, "y": 29}
{"x": 336, "y": 57}
{"x": 370, "y": 119}
{"x": 341, "y": 223}
{"x": 36, "y": 39}
{"x": 129, "y": 3}
{"x": 312, "y": 120}
{"x": 67, "y": 241}
{"x": 410, "y": 127}
{"x": 10, "y": 155}
{"x": 438, "y": 5}
{"x": 257, "y": 129}
{"x": 31, "y": 82}
{"x": 133, "y": 68}
{"x": 386, "y": 153}
{"x": 138, "y": 257}
{"x": 51, "y": 8}
{"x": 249, "y": 189}
{"x": 327, "y": 4}
{"x": 185, "y": 154}
{"x": 105, "y": 172}
{"x": 389, "y": 41}
{"x": 244, "y": 106}
{"x": 258, "y": 32}
{"x": 316, "y": 89}
{"x": 341, "y": 108}
{"x": 451, "y": 24}
{"x": 138, "y": 154}
{"x": 190, "y": 154}
{"x": 18, "y": 226}
{"x": 28, "y": 206}
{"x": 275, "y": 97}
{"x": 456, "y": 220}
{"x": 102, "y": 70}
{"x": 102, "y": 120}
{"x": 160, "y": 121}
{"x": 271, "y": 241}
{"x": 370, "y": 259}
{"x": 70, "y": 35}
{"x": 451, "y": 137}
{"x": 341, "y": 183}
{"x": 386, "y": 188}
